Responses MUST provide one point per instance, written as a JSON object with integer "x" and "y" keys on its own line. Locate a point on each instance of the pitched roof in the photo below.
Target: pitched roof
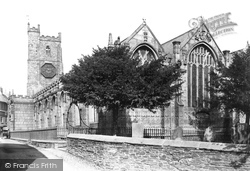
{"x": 138, "y": 30}
{"x": 3, "y": 98}
{"x": 186, "y": 38}
{"x": 183, "y": 38}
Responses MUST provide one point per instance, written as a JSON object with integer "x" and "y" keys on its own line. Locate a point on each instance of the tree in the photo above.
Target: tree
{"x": 111, "y": 78}
{"x": 230, "y": 86}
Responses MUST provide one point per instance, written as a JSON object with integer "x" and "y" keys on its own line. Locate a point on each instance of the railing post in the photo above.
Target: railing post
{"x": 170, "y": 133}
{"x": 29, "y": 140}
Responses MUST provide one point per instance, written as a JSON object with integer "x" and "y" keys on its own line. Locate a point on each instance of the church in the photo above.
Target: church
{"x": 198, "y": 54}
{"x": 47, "y": 105}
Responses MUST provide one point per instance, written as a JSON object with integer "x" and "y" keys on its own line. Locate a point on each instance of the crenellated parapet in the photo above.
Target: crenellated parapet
{"x": 51, "y": 38}
{"x": 20, "y": 96}
{"x": 34, "y": 29}
{"x": 21, "y": 99}
{"x": 48, "y": 91}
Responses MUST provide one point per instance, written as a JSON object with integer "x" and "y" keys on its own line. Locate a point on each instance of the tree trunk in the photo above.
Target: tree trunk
{"x": 115, "y": 112}
{"x": 227, "y": 125}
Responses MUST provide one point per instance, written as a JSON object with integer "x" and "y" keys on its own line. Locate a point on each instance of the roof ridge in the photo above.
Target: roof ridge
{"x": 177, "y": 36}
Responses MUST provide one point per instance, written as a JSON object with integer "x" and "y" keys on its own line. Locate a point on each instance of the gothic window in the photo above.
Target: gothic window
{"x": 39, "y": 106}
{"x": 145, "y": 54}
{"x": 62, "y": 109}
{"x": 45, "y": 105}
{"x": 189, "y": 81}
{"x": 53, "y": 102}
{"x": 200, "y": 63}
{"x": 194, "y": 85}
{"x": 93, "y": 115}
{"x": 47, "y": 50}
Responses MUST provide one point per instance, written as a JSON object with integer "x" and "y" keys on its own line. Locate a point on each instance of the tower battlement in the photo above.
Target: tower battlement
{"x": 34, "y": 29}
{"x": 20, "y": 96}
{"x": 20, "y": 99}
{"x": 51, "y": 38}
{"x": 44, "y": 60}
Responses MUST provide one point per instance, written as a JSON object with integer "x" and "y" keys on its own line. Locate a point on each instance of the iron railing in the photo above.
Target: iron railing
{"x": 222, "y": 135}
{"x": 157, "y": 133}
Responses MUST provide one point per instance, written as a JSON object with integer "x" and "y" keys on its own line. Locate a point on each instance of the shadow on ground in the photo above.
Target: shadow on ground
{"x": 17, "y": 153}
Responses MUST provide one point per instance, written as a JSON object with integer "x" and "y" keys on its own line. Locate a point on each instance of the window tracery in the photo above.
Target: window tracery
{"x": 200, "y": 63}
{"x": 145, "y": 54}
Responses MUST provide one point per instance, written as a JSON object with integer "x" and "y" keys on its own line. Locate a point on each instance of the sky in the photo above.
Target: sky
{"x": 84, "y": 25}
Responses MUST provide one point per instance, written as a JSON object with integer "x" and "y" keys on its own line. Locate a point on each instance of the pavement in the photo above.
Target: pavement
{"x": 70, "y": 162}
{"x": 12, "y": 149}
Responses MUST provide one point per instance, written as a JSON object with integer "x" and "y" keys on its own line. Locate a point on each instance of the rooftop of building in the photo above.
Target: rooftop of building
{"x": 3, "y": 98}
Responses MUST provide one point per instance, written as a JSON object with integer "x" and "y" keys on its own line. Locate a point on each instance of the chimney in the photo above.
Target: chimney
{"x": 226, "y": 54}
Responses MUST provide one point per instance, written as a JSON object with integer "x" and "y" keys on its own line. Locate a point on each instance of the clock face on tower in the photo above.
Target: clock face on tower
{"x": 48, "y": 70}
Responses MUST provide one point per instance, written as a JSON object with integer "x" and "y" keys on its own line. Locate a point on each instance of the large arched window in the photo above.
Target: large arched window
{"x": 201, "y": 61}
{"x": 53, "y": 112}
{"x": 145, "y": 52}
{"x": 61, "y": 105}
{"x": 53, "y": 103}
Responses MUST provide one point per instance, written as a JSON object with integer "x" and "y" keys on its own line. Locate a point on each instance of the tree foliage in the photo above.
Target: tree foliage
{"x": 111, "y": 78}
{"x": 230, "y": 86}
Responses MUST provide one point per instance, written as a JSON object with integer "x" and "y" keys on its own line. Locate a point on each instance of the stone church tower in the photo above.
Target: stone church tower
{"x": 44, "y": 60}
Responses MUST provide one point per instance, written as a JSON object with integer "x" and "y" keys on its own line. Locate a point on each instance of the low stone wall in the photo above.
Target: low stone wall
{"x": 43, "y": 143}
{"x": 38, "y": 134}
{"x": 124, "y": 153}
{"x": 48, "y": 143}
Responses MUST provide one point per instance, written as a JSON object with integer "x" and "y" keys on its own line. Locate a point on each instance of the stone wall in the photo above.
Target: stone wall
{"x": 21, "y": 113}
{"x": 122, "y": 153}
